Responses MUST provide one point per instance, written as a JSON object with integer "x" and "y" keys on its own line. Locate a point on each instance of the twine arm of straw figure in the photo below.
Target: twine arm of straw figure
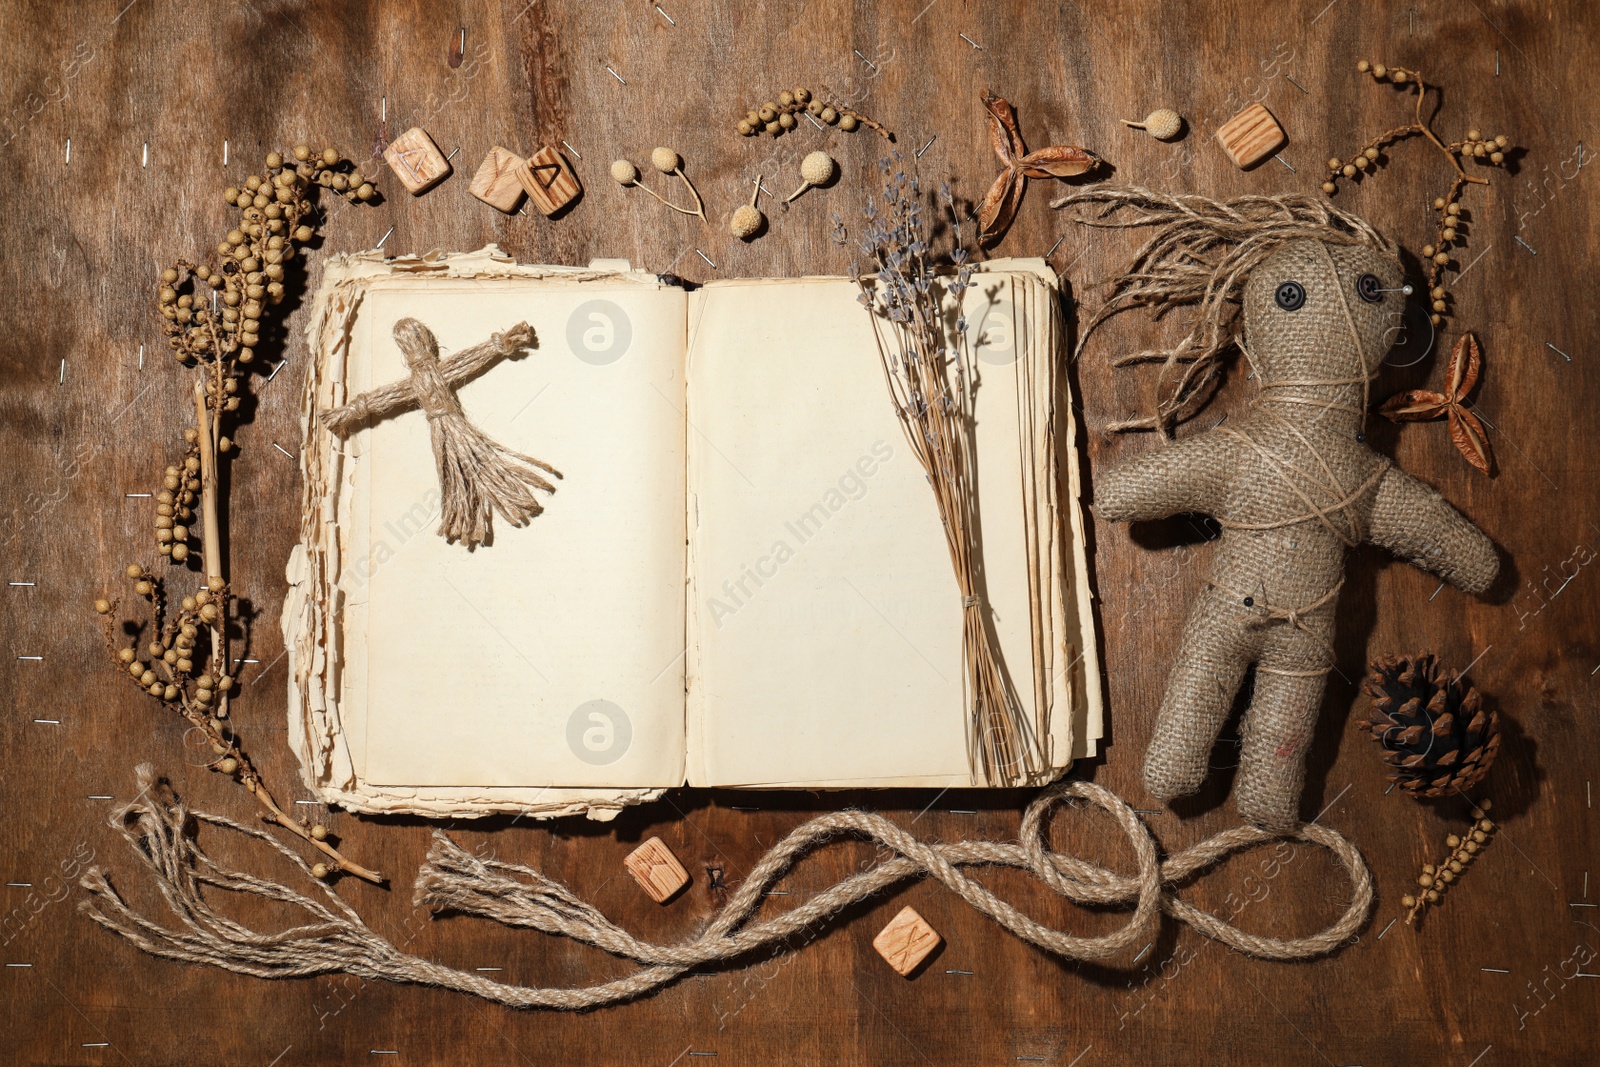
{"x": 463, "y": 367}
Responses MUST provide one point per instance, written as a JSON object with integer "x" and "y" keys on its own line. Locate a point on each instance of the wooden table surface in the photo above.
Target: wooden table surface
{"x": 150, "y": 92}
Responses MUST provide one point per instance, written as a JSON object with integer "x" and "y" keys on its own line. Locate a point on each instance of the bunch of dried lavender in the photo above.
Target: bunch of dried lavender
{"x": 927, "y": 363}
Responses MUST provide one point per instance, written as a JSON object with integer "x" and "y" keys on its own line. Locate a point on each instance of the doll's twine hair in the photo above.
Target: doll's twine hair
{"x": 1201, "y": 254}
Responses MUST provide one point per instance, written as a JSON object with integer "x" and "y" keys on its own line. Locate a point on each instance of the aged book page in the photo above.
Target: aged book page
{"x": 543, "y": 672}
{"x": 825, "y": 625}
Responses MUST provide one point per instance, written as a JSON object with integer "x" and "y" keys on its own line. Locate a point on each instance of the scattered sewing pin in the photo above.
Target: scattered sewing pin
{"x": 664, "y": 15}
{"x": 864, "y": 59}
{"x": 1297, "y": 85}
{"x": 705, "y": 257}
{"x": 1285, "y": 162}
{"x": 1558, "y": 351}
{"x": 970, "y": 41}
{"x": 280, "y": 448}
{"x": 574, "y": 151}
{"x": 1524, "y": 244}
{"x": 617, "y": 76}
{"x": 927, "y": 146}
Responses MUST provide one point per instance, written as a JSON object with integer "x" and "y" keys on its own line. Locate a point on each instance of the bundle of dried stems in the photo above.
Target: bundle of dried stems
{"x": 927, "y": 360}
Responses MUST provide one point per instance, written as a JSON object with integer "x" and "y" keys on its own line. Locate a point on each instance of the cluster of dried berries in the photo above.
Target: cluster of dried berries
{"x": 1451, "y": 225}
{"x": 1436, "y": 878}
{"x": 1418, "y": 405}
{"x": 1018, "y": 164}
{"x": 783, "y": 114}
{"x": 212, "y": 315}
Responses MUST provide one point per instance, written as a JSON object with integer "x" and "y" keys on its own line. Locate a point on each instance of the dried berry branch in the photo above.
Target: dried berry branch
{"x": 1436, "y": 878}
{"x": 779, "y": 116}
{"x": 212, "y": 316}
{"x": 1450, "y": 225}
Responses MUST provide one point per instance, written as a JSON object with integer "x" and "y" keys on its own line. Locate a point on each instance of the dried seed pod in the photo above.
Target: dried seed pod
{"x": 1163, "y": 124}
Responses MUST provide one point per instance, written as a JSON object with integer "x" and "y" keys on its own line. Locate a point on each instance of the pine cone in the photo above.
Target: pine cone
{"x": 1435, "y": 734}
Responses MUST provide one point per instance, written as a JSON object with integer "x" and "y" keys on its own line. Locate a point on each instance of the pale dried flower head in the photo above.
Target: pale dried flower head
{"x": 665, "y": 160}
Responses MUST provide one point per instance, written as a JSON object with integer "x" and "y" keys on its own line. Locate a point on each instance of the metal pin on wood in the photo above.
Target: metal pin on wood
{"x": 1495, "y": 970}
{"x": 705, "y": 257}
{"x": 666, "y": 16}
{"x": 69, "y": 151}
{"x": 136, "y": 496}
{"x": 1386, "y": 928}
{"x": 1558, "y": 351}
{"x": 452, "y": 154}
{"x": 385, "y": 236}
{"x": 954, "y": 970}
{"x": 224, "y": 151}
{"x": 280, "y": 448}
{"x": 1285, "y": 162}
{"x": 617, "y": 76}
{"x": 276, "y": 369}
{"x": 569, "y": 148}
{"x": 1055, "y": 246}
{"x": 1524, "y": 244}
{"x": 141, "y": 357}
{"x": 970, "y": 41}
{"x": 63, "y": 379}
{"x": 1436, "y": 591}
{"x": 383, "y": 109}
{"x": 1497, "y": 62}
{"x": 37, "y": 659}
{"x": 1297, "y": 85}
{"x": 927, "y": 146}
{"x": 864, "y": 59}
{"x": 22, "y": 583}
{"x": 100, "y": 796}
{"x": 812, "y": 119}
{"x": 51, "y": 722}
{"x": 144, "y": 161}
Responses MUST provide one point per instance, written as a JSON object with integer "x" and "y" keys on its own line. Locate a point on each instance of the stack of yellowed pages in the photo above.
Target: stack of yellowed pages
{"x": 741, "y": 579}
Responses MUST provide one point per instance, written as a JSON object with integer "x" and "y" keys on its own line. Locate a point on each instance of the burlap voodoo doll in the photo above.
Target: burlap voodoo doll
{"x": 1312, "y": 297}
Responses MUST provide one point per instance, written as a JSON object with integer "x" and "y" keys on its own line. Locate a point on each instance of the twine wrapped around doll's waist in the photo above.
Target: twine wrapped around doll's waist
{"x": 1293, "y": 616}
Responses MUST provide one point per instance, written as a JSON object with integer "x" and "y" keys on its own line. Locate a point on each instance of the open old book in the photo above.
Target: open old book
{"x": 741, "y": 579}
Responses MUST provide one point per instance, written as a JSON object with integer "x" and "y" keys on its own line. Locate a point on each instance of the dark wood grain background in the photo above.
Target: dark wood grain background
{"x": 1487, "y": 980}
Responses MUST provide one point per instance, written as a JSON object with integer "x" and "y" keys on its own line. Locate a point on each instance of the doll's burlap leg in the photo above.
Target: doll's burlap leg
{"x": 1200, "y": 691}
{"x": 1278, "y": 727}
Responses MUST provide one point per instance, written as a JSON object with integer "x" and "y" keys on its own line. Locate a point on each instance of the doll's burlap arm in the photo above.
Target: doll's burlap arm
{"x": 1186, "y": 476}
{"x": 1414, "y": 522}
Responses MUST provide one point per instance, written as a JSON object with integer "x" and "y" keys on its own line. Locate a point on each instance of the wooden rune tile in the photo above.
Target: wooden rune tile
{"x": 906, "y": 941}
{"x": 1251, "y": 136}
{"x": 656, "y": 870}
{"x": 496, "y": 182}
{"x": 549, "y": 180}
{"x": 416, "y": 161}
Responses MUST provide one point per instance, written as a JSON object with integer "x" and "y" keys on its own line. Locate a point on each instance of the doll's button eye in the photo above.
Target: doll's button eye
{"x": 1290, "y": 296}
{"x": 1370, "y": 288}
